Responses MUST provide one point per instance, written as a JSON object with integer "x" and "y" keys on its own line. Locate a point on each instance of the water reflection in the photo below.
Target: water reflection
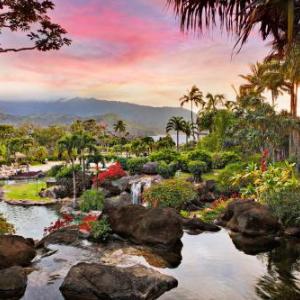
{"x": 29, "y": 221}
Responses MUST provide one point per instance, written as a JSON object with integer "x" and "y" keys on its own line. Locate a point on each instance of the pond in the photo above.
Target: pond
{"x": 211, "y": 266}
{"x": 29, "y": 221}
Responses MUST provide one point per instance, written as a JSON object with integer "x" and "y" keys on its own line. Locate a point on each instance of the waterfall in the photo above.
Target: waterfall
{"x": 136, "y": 190}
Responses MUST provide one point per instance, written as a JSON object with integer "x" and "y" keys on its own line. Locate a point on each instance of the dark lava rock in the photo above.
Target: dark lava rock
{"x": 146, "y": 226}
{"x": 254, "y": 245}
{"x": 150, "y": 168}
{"x": 124, "y": 199}
{"x": 116, "y": 187}
{"x": 15, "y": 251}
{"x": 13, "y": 282}
{"x": 195, "y": 225}
{"x": 250, "y": 218}
{"x": 65, "y": 236}
{"x": 101, "y": 282}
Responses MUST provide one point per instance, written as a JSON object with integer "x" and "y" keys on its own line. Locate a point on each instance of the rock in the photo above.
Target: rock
{"x": 254, "y": 245}
{"x": 124, "y": 199}
{"x": 13, "y": 282}
{"x": 206, "y": 191}
{"x": 152, "y": 226}
{"x": 293, "y": 232}
{"x": 102, "y": 282}
{"x": 53, "y": 192}
{"x": 15, "y": 251}
{"x": 65, "y": 236}
{"x": 197, "y": 225}
{"x": 250, "y": 218}
{"x": 116, "y": 187}
{"x": 150, "y": 168}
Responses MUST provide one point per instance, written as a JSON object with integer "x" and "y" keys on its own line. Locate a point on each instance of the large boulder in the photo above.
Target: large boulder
{"x": 13, "y": 282}
{"x": 116, "y": 187}
{"x": 54, "y": 192}
{"x": 150, "y": 168}
{"x": 101, "y": 282}
{"x": 15, "y": 251}
{"x": 250, "y": 218}
{"x": 255, "y": 244}
{"x": 65, "y": 236}
{"x": 146, "y": 226}
{"x": 195, "y": 225}
{"x": 124, "y": 199}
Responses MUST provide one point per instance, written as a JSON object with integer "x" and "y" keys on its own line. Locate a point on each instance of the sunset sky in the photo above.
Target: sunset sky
{"x": 125, "y": 50}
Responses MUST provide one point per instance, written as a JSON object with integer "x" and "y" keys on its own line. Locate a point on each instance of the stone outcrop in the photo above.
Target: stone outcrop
{"x": 103, "y": 282}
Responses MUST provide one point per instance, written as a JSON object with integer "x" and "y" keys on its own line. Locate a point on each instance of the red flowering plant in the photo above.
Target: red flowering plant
{"x": 113, "y": 172}
{"x": 84, "y": 221}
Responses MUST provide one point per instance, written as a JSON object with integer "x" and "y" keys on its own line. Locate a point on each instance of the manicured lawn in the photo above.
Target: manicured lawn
{"x": 25, "y": 191}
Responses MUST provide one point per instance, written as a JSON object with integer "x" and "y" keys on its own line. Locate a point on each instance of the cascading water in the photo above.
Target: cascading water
{"x": 136, "y": 191}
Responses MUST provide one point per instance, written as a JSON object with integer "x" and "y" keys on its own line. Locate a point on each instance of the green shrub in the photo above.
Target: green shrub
{"x": 284, "y": 204}
{"x": 183, "y": 162}
{"x": 167, "y": 155}
{"x": 197, "y": 168}
{"x": 221, "y": 159}
{"x": 211, "y": 214}
{"x": 170, "y": 193}
{"x": 201, "y": 156}
{"x": 67, "y": 171}
{"x": 54, "y": 170}
{"x": 91, "y": 200}
{"x": 165, "y": 170}
{"x": 135, "y": 165}
{"x": 123, "y": 161}
{"x": 101, "y": 229}
{"x": 224, "y": 179}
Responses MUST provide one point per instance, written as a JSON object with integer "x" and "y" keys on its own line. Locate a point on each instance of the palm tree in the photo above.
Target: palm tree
{"x": 213, "y": 101}
{"x": 69, "y": 144}
{"x": 120, "y": 127}
{"x": 176, "y": 124}
{"x": 194, "y": 97}
{"x": 86, "y": 145}
{"x": 187, "y": 130}
{"x": 275, "y": 19}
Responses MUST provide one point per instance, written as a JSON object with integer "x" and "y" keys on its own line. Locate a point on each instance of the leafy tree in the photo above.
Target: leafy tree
{"x": 176, "y": 124}
{"x": 32, "y": 17}
{"x": 213, "y": 101}
{"x": 69, "y": 145}
{"x": 195, "y": 98}
{"x": 120, "y": 127}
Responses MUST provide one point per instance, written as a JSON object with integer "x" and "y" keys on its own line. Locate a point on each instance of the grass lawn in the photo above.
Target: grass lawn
{"x": 25, "y": 191}
{"x": 213, "y": 175}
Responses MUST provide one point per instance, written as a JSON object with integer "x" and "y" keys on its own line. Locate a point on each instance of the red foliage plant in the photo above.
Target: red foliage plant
{"x": 114, "y": 172}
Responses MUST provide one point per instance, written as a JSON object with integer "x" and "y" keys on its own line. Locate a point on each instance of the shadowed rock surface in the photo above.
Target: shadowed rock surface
{"x": 101, "y": 282}
{"x": 15, "y": 251}
{"x": 250, "y": 218}
{"x": 153, "y": 226}
{"x": 13, "y": 283}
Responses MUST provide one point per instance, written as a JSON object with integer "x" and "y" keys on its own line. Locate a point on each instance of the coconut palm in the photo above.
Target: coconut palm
{"x": 120, "y": 127}
{"x": 86, "y": 145}
{"x": 69, "y": 145}
{"x": 195, "y": 98}
{"x": 176, "y": 124}
{"x": 187, "y": 129}
{"x": 213, "y": 101}
{"x": 275, "y": 19}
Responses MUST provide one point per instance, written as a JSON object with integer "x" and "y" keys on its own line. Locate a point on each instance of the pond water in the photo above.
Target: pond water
{"x": 211, "y": 267}
{"x": 29, "y": 221}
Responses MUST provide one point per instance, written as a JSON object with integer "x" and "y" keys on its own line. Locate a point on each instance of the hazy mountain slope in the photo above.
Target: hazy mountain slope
{"x": 146, "y": 116}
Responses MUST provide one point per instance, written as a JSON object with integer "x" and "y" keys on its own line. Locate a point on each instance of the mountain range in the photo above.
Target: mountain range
{"x": 141, "y": 119}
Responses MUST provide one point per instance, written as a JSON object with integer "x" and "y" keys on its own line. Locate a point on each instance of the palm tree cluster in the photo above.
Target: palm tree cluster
{"x": 276, "y": 20}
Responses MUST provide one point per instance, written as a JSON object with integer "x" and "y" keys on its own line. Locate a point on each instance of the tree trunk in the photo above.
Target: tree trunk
{"x": 83, "y": 175}
{"x": 177, "y": 140}
{"x": 74, "y": 183}
{"x": 192, "y": 120}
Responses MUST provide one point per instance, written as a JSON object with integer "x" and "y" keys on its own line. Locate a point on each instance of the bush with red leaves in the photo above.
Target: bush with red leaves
{"x": 114, "y": 172}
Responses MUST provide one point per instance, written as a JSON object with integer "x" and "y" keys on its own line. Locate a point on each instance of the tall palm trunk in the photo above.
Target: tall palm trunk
{"x": 177, "y": 136}
{"x": 192, "y": 121}
{"x": 291, "y": 20}
{"x": 83, "y": 170}
{"x": 74, "y": 183}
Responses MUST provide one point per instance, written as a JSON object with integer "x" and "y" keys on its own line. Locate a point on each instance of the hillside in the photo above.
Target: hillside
{"x": 140, "y": 118}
